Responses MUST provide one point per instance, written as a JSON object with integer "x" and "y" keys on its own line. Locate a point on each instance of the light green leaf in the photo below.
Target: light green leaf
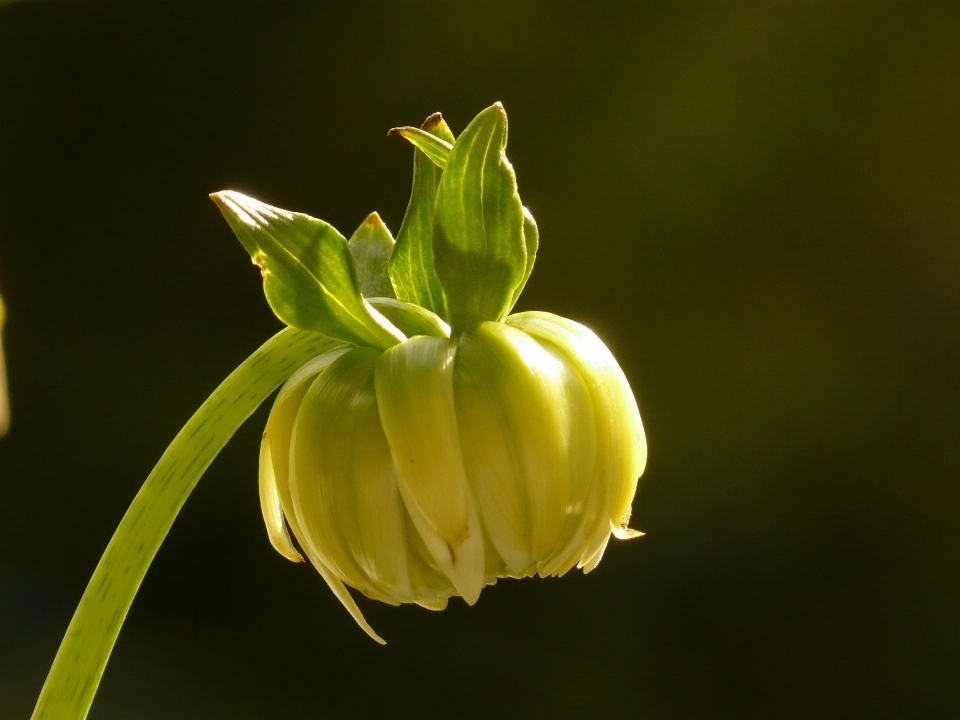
{"x": 371, "y": 246}
{"x": 308, "y": 274}
{"x": 438, "y": 151}
{"x": 531, "y": 241}
{"x": 478, "y": 243}
{"x": 412, "y": 263}
{"x": 434, "y": 147}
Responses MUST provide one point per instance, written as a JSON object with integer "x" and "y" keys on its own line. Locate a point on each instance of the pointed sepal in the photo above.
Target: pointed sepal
{"x": 434, "y": 146}
{"x": 479, "y": 249}
{"x": 371, "y": 246}
{"x": 309, "y": 276}
{"x": 412, "y": 264}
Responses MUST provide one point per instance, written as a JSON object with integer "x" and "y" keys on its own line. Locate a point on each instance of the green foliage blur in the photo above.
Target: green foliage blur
{"x": 755, "y": 205}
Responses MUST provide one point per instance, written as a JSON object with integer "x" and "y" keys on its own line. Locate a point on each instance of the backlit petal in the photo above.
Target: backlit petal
{"x": 621, "y": 444}
{"x": 414, "y": 383}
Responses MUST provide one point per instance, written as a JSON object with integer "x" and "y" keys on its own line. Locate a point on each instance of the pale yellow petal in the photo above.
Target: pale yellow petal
{"x": 585, "y": 506}
{"x": 342, "y": 481}
{"x": 589, "y": 563}
{"x": 440, "y": 604}
{"x": 274, "y": 453}
{"x": 427, "y": 581}
{"x": 270, "y": 504}
{"x": 343, "y": 595}
{"x": 515, "y": 434}
{"x": 415, "y": 395}
{"x": 621, "y": 444}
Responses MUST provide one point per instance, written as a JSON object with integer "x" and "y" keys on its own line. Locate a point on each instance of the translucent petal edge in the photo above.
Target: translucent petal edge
{"x": 270, "y": 498}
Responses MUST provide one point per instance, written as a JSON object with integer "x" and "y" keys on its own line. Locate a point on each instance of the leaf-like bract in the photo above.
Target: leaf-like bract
{"x": 371, "y": 246}
{"x": 435, "y": 147}
{"x": 308, "y": 274}
{"x": 412, "y": 263}
{"x": 479, "y": 249}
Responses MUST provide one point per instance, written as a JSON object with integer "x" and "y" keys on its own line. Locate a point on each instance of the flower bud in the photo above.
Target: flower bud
{"x": 441, "y": 464}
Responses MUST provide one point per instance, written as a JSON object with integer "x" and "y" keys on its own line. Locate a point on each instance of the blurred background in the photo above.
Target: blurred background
{"x": 756, "y": 205}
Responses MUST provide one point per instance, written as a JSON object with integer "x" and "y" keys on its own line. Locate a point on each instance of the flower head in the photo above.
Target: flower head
{"x": 420, "y": 460}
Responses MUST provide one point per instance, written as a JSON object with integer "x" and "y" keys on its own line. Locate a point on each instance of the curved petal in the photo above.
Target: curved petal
{"x": 440, "y": 604}
{"x": 270, "y": 505}
{"x": 589, "y": 563}
{"x": 415, "y": 395}
{"x": 585, "y": 507}
{"x": 342, "y": 482}
{"x": 621, "y": 444}
{"x": 429, "y": 584}
{"x": 274, "y": 454}
{"x": 515, "y": 434}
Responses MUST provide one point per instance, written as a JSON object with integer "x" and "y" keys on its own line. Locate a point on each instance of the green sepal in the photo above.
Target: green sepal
{"x": 439, "y": 151}
{"x": 409, "y": 318}
{"x": 371, "y": 246}
{"x": 308, "y": 274}
{"x": 412, "y": 263}
{"x": 478, "y": 243}
{"x": 435, "y": 148}
{"x": 531, "y": 241}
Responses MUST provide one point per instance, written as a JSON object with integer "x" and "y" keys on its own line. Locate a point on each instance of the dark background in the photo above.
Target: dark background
{"x": 757, "y": 206}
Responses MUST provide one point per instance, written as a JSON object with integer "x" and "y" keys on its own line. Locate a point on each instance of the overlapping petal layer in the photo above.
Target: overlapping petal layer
{"x": 433, "y": 468}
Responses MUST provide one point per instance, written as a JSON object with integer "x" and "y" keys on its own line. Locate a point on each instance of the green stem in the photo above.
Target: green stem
{"x": 86, "y": 647}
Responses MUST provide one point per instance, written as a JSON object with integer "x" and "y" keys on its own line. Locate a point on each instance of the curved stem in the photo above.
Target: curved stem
{"x": 86, "y": 647}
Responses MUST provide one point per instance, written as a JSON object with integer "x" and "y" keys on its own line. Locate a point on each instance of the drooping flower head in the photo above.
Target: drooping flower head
{"x": 445, "y": 442}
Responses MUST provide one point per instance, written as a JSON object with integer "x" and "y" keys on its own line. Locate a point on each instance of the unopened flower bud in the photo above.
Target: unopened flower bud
{"x": 434, "y": 468}
{"x": 444, "y": 443}
{"x": 426, "y": 442}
